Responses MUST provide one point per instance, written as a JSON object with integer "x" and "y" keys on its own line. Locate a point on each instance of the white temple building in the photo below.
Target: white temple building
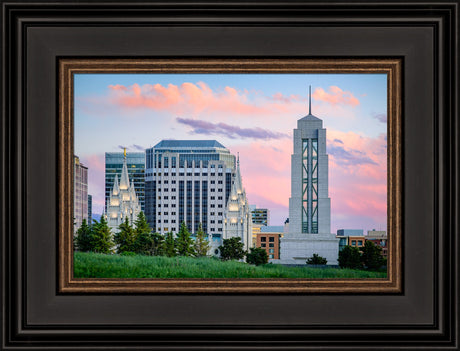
{"x": 123, "y": 201}
{"x": 237, "y": 216}
{"x": 309, "y": 206}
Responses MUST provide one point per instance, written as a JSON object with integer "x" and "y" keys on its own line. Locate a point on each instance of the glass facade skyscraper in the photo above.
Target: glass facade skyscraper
{"x": 136, "y": 171}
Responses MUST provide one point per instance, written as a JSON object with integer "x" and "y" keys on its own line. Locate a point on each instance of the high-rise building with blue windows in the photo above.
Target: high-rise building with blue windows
{"x": 136, "y": 167}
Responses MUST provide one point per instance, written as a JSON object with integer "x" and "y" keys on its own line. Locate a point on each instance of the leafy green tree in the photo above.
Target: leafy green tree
{"x": 101, "y": 237}
{"x": 257, "y": 256}
{"x": 316, "y": 259}
{"x": 372, "y": 256}
{"x": 232, "y": 249}
{"x": 83, "y": 237}
{"x": 350, "y": 257}
{"x": 169, "y": 245}
{"x": 158, "y": 244}
{"x": 201, "y": 243}
{"x": 125, "y": 238}
{"x": 184, "y": 242}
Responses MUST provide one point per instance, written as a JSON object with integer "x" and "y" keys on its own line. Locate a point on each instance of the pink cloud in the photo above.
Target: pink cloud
{"x": 335, "y": 96}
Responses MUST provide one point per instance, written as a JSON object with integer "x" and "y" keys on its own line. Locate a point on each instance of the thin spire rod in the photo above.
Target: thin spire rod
{"x": 309, "y": 101}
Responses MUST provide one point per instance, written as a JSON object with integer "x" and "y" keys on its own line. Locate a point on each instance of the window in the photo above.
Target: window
{"x": 173, "y": 189}
{"x": 173, "y": 181}
{"x": 173, "y": 174}
{"x": 212, "y": 205}
{"x": 220, "y": 213}
{"x": 360, "y": 243}
{"x": 165, "y": 189}
{"x": 271, "y": 250}
{"x": 219, "y": 190}
{"x": 263, "y": 239}
{"x": 197, "y": 174}
{"x": 271, "y": 256}
{"x": 165, "y": 205}
{"x": 173, "y": 205}
{"x": 165, "y": 182}
{"x": 159, "y": 197}
{"x": 263, "y": 245}
{"x": 165, "y": 213}
{"x": 166, "y": 198}
{"x": 212, "y": 221}
{"x": 271, "y": 239}
{"x": 166, "y": 221}
{"x": 212, "y": 213}
{"x": 220, "y": 198}
{"x": 159, "y": 213}
{"x": 213, "y": 197}
{"x": 181, "y": 174}
{"x": 271, "y": 245}
{"x": 159, "y": 221}
{"x": 173, "y": 213}
{"x": 173, "y": 198}
{"x": 173, "y": 221}
{"x": 219, "y": 182}
{"x": 219, "y": 221}
{"x": 353, "y": 243}
{"x": 220, "y": 206}
{"x": 213, "y": 182}
{"x": 189, "y": 174}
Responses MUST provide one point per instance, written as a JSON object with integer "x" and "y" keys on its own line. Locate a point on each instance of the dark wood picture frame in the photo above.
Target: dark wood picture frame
{"x": 69, "y": 67}
{"x": 422, "y": 314}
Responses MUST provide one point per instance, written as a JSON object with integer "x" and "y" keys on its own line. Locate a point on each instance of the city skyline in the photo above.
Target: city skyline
{"x": 252, "y": 115}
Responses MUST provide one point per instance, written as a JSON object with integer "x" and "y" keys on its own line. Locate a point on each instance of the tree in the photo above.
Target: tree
{"x": 201, "y": 243}
{"x": 372, "y": 256}
{"x": 169, "y": 245}
{"x": 125, "y": 238}
{"x": 257, "y": 256}
{"x": 350, "y": 257}
{"x": 83, "y": 237}
{"x": 316, "y": 259}
{"x": 101, "y": 237}
{"x": 141, "y": 224}
{"x": 184, "y": 242}
{"x": 232, "y": 249}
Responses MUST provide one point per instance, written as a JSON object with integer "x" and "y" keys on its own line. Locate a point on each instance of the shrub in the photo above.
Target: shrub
{"x": 257, "y": 256}
{"x": 350, "y": 257}
{"x": 372, "y": 256}
{"x": 316, "y": 259}
{"x": 232, "y": 249}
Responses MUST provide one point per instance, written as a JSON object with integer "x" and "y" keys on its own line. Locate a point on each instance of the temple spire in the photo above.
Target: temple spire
{"x": 309, "y": 101}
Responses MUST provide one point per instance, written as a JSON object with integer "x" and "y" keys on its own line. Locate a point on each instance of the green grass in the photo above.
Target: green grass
{"x": 91, "y": 265}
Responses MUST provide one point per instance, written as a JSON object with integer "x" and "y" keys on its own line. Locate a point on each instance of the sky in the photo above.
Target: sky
{"x": 250, "y": 114}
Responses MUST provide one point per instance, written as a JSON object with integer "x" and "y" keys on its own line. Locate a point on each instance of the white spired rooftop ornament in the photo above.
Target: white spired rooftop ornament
{"x": 309, "y": 206}
{"x": 123, "y": 201}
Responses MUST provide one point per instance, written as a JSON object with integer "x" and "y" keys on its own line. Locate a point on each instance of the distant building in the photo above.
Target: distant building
{"x": 260, "y": 216}
{"x": 269, "y": 239}
{"x": 356, "y": 241}
{"x": 309, "y": 204}
{"x": 123, "y": 202}
{"x": 255, "y": 231}
{"x": 80, "y": 186}
{"x": 135, "y": 163}
{"x": 379, "y": 238}
{"x": 350, "y": 232}
{"x": 90, "y": 209}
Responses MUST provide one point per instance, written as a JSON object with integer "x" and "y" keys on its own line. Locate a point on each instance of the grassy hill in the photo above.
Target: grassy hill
{"x": 91, "y": 265}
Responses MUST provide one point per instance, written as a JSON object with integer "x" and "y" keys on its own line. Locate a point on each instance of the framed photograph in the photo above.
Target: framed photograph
{"x": 106, "y": 76}
{"x": 181, "y": 187}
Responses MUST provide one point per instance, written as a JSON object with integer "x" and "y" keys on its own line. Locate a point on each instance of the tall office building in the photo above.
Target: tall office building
{"x": 135, "y": 165}
{"x": 188, "y": 181}
{"x": 123, "y": 202}
{"x": 309, "y": 205}
{"x": 260, "y": 215}
{"x": 80, "y": 187}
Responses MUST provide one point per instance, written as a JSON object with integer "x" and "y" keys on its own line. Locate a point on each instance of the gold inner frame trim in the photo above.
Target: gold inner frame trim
{"x": 68, "y": 284}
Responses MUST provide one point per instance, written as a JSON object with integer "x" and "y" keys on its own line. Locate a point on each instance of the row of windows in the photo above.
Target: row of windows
{"x": 265, "y": 245}
{"x": 270, "y": 239}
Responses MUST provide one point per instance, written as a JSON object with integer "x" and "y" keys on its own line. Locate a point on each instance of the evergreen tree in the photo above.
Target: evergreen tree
{"x": 201, "y": 243}
{"x": 101, "y": 237}
{"x": 158, "y": 244}
{"x": 83, "y": 238}
{"x": 184, "y": 242}
{"x": 372, "y": 256}
{"x": 232, "y": 249}
{"x": 125, "y": 238}
{"x": 316, "y": 259}
{"x": 257, "y": 256}
{"x": 141, "y": 224}
{"x": 169, "y": 246}
{"x": 350, "y": 257}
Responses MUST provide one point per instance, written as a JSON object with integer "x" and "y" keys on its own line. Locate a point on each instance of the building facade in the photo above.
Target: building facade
{"x": 188, "y": 181}
{"x": 269, "y": 240}
{"x": 123, "y": 201}
{"x": 80, "y": 187}
{"x": 135, "y": 165}
{"x": 309, "y": 205}
{"x": 379, "y": 238}
{"x": 260, "y": 216}
{"x": 237, "y": 215}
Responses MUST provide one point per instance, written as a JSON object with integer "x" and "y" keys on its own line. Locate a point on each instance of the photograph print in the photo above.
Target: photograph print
{"x": 230, "y": 175}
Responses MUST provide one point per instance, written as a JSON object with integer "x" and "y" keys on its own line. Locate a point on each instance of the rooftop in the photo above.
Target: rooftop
{"x": 272, "y": 229}
{"x": 189, "y": 144}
